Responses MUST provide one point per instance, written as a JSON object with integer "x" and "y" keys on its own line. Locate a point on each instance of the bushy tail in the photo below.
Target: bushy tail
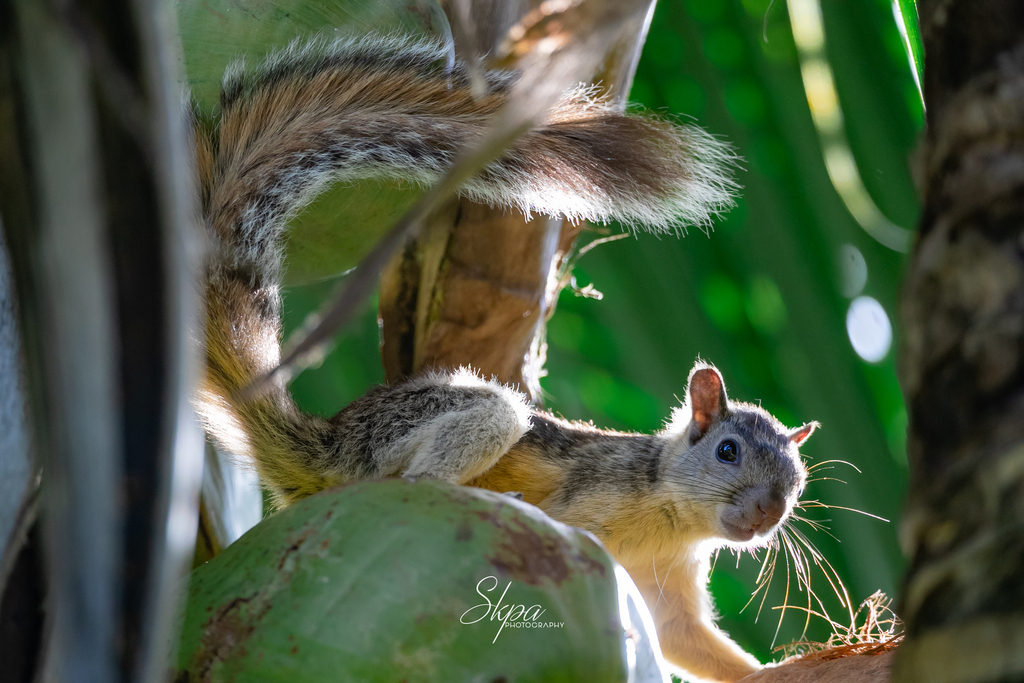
{"x": 384, "y": 107}
{"x": 294, "y": 453}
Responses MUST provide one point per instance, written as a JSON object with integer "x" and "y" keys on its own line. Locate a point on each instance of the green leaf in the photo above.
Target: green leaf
{"x": 341, "y": 227}
{"x": 910, "y": 30}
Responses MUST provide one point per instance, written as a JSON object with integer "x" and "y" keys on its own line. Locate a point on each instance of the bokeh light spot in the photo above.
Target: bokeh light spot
{"x": 597, "y": 390}
{"x": 685, "y": 96}
{"x": 869, "y": 329}
{"x": 706, "y": 10}
{"x": 757, "y": 8}
{"x": 724, "y": 48}
{"x": 722, "y": 301}
{"x": 635, "y": 408}
{"x": 566, "y": 330}
{"x": 779, "y": 48}
{"x": 853, "y": 271}
{"x": 745, "y": 102}
{"x": 765, "y": 308}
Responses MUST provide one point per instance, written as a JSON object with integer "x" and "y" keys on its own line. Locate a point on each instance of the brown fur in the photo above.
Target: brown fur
{"x": 384, "y": 108}
{"x": 656, "y": 502}
{"x": 523, "y": 470}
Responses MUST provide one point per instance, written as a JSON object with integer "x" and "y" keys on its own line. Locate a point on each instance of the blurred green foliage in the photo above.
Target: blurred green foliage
{"x": 760, "y": 296}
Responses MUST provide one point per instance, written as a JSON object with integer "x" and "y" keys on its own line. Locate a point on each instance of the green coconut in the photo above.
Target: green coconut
{"x": 402, "y": 581}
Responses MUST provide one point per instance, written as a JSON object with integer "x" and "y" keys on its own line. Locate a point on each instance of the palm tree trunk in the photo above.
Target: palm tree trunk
{"x": 962, "y": 361}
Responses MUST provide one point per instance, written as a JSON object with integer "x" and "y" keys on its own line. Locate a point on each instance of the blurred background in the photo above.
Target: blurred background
{"x": 789, "y": 295}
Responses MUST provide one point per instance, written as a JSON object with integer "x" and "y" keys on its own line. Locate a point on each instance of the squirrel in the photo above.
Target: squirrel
{"x": 722, "y": 473}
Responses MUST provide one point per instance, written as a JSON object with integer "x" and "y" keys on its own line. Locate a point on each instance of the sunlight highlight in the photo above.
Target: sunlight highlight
{"x": 915, "y": 66}
{"x": 823, "y": 99}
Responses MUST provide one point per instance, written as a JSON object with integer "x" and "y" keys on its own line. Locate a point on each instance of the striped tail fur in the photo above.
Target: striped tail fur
{"x": 389, "y": 108}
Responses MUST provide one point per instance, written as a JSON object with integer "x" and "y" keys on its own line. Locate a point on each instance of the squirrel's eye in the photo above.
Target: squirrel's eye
{"x": 729, "y": 451}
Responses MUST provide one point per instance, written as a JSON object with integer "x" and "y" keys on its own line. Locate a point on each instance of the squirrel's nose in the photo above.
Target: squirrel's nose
{"x": 772, "y": 508}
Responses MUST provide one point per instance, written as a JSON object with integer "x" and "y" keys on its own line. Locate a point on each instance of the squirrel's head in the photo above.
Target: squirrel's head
{"x": 737, "y": 470}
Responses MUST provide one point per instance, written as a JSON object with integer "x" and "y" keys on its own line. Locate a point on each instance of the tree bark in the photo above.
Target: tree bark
{"x": 962, "y": 360}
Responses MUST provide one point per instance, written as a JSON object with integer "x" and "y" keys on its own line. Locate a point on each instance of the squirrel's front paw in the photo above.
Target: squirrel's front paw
{"x": 514, "y": 494}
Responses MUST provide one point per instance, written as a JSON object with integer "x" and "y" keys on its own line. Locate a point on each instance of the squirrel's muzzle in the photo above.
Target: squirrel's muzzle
{"x": 770, "y": 511}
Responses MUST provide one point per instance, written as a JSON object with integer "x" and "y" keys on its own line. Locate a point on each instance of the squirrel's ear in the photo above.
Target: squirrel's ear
{"x": 798, "y": 435}
{"x": 707, "y": 399}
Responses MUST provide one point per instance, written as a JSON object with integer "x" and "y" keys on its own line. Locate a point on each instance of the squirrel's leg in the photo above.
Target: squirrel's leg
{"x": 461, "y": 445}
{"x": 703, "y": 649}
{"x": 681, "y": 606}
